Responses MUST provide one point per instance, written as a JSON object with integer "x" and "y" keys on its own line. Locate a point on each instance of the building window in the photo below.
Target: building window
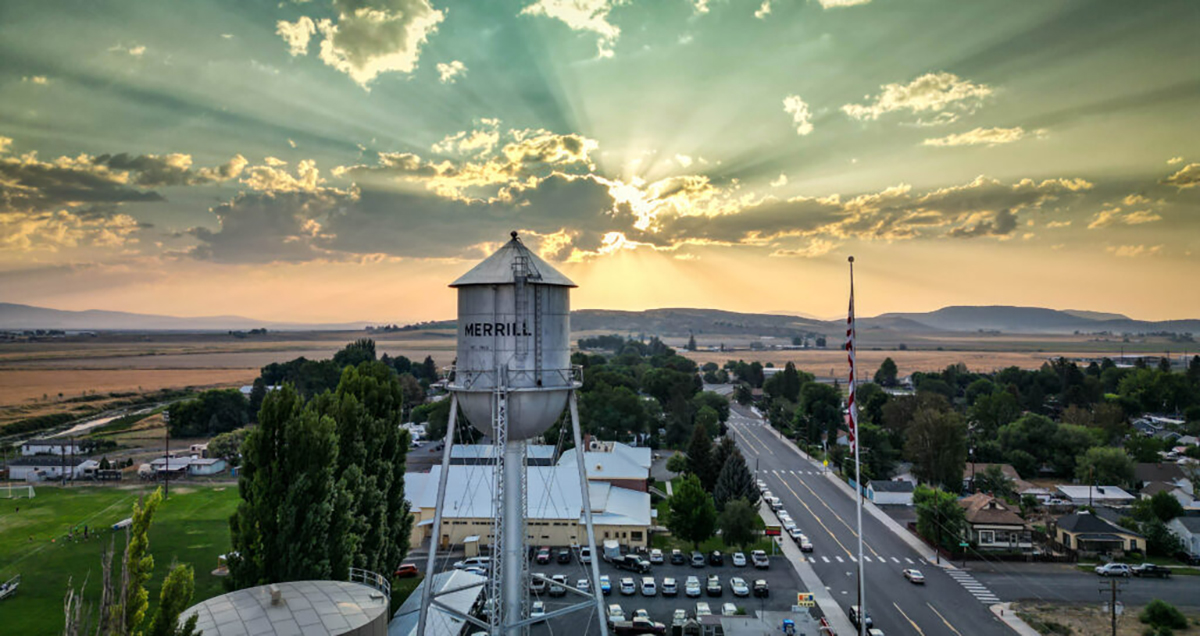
{"x": 1132, "y": 545}
{"x": 635, "y": 536}
{"x": 987, "y": 537}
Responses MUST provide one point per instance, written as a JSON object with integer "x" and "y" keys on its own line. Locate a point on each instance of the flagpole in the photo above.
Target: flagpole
{"x": 851, "y": 347}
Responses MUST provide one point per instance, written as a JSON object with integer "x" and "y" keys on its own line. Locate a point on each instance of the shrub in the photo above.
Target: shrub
{"x": 1159, "y": 614}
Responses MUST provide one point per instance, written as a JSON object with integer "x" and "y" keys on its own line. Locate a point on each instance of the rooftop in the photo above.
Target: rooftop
{"x": 891, "y": 486}
{"x": 1087, "y": 523}
{"x": 499, "y": 268}
{"x": 325, "y": 607}
{"x": 613, "y": 460}
{"x": 1094, "y": 492}
{"x": 404, "y": 621}
{"x": 982, "y": 508}
{"x": 49, "y": 461}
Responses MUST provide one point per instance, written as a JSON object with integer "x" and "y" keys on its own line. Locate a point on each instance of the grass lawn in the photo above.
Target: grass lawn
{"x": 190, "y": 527}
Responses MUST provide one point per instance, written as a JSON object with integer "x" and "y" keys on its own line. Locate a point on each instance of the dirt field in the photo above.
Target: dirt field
{"x": 27, "y": 386}
{"x": 1089, "y": 620}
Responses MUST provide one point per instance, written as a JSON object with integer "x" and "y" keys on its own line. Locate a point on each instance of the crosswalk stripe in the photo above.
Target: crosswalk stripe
{"x": 825, "y": 559}
{"x": 853, "y": 560}
{"x": 839, "y": 559}
{"x": 910, "y": 561}
{"x": 895, "y": 559}
{"x": 866, "y": 559}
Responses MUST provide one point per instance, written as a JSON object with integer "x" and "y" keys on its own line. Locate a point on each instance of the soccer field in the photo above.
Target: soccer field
{"x": 190, "y": 527}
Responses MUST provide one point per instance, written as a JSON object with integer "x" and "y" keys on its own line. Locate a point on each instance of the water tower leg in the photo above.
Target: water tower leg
{"x": 587, "y": 513}
{"x": 514, "y": 590}
{"x": 431, "y": 560}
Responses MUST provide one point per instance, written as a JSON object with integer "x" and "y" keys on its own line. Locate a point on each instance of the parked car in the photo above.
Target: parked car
{"x": 702, "y": 609}
{"x": 691, "y": 587}
{"x": 558, "y": 585}
{"x": 605, "y": 585}
{"x": 761, "y": 590}
{"x": 789, "y": 525}
{"x": 713, "y": 588}
{"x": 543, "y": 556}
{"x": 585, "y": 556}
{"x": 760, "y": 559}
{"x": 649, "y": 587}
{"x": 776, "y": 504}
{"x": 537, "y": 585}
{"x": 537, "y": 611}
{"x": 406, "y": 570}
{"x": 583, "y": 585}
{"x": 656, "y": 556}
{"x": 767, "y": 495}
{"x": 669, "y": 588}
{"x": 483, "y": 562}
{"x": 914, "y": 576}
{"x": 633, "y": 563}
{"x": 1150, "y": 569}
{"x": 716, "y": 558}
{"x": 804, "y": 543}
{"x": 564, "y": 555}
{"x": 636, "y": 626}
{"x": 615, "y": 613}
{"x": 628, "y": 587}
{"x": 739, "y": 559}
{"x": 1114, "y": 569}
{"x": 698, "y": 560}
{"x": 795, "y": 533}
{"x": 854, "y": 613}
{"x": 678, "y": 557}
{"x": 738, "y": 586}
{"x": 679, "y": 618}
{"x": 762, "y": 486}
{"x": 640, "y": 614}
{"x": 476, "y": 570}
{"x": 728, "y": 609}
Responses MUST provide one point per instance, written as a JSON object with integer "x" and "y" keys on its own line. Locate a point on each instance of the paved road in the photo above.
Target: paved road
{"x": 1064, "y": 584}
{"x": 952, "y": 603}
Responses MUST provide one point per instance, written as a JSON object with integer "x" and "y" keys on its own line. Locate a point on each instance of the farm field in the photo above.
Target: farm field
{"x": 190, "y": 527}
{"x": 820, "y": 361}
{"x": 27, "y": 386}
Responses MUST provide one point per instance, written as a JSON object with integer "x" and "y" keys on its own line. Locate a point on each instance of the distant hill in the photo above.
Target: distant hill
{"x": 14, "y": 316}
{"x": 681, "y": 322}
{"x": 1035, "y": 320}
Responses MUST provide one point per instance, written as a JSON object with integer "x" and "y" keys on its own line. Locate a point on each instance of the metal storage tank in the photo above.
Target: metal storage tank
{"x": 514, "y": 330}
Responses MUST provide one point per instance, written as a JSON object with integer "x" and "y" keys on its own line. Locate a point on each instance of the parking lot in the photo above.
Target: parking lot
{"x": 781, "y": 578}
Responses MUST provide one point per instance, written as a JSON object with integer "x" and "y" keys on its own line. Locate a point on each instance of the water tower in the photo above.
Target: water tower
{"x": 512, "y": 380}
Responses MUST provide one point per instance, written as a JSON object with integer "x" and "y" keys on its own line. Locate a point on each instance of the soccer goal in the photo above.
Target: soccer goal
{"x": 16, "y": 492}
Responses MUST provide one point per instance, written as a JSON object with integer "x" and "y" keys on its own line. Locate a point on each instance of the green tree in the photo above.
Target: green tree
{"x": 1160, "y": 541}
{"x": 614, "y": 413}
{"x": 700, "y": 458}
{"x": 677, "y": 463}
{"x": 715, "y": 401}
{"x": 1162, "y": 506}
{"x": 990, "y": 412}
{"x": 691, "y": 343}
{"x": 937, "y": 447}
{"x": 707, "y": 419}
{"x": 209, "y": 413}
{"x": 173, "y": 599}
{"x": 821, "y": 410}
{"x": 735, "y": 482}
{"x": 1104, "y": 466}
{"x": 738, "y": 523}
{"x": 939, "y": 517}
{"x": 355, "y": 353}
{"x": 993, "y": 480}
{"x": 691, "y": 514}
{"x": 258, "y": 391}
{"x": 228, "y": 446}
{"x": 1143, "y": 448}
{"x": 139, "y": 563}
{"x": 722, "y": 450}
{"x": 742, "y": 394}
{"x": 886, "y": 375}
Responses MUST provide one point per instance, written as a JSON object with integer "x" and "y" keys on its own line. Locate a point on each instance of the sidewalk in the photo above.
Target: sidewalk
{"x": 1004, "y": 612}
{"x": 829, "y": 606}
{"x": 913, "y": 542}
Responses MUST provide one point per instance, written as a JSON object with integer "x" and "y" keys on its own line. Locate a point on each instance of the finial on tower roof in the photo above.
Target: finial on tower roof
{"x": 514, "y": 235}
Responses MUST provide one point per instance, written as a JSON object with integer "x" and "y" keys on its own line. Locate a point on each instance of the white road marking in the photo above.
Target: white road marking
{"x": 909, "y": 560}
{"x": 839, "y": 559}
{"x": 825, "y": 559}
{"x": 895, "y": 559}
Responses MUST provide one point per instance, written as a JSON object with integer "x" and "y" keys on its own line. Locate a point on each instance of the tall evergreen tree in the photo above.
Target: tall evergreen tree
{"x": 721, "y": 452}
{"x": 691, "y": 515}
{"x": 735, "y": 482}
{"x": 175, "y": 597}
{"x": 700, "y": 458}
{"x": 691, "y": 343}
{"x": 139, "y": 563}
{"x": 790, "y": 381}
{"x": 886, "y": 375}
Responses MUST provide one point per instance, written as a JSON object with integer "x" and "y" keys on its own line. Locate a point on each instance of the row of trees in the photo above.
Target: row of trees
{"x": 717, "y": 491}
{"x": 322, "y": 482}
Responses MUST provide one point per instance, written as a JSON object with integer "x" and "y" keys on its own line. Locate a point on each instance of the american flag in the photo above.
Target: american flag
{"x": 853, "y": 436}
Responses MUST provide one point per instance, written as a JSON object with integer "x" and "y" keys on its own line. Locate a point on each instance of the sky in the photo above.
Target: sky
{"x": 345, "y": 160}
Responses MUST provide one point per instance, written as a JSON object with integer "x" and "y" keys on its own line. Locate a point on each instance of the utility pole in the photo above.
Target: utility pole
{"x": 167, "y": 456}
{"x": 1114, "y": 609}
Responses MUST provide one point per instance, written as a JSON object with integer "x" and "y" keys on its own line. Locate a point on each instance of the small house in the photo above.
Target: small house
{"x": 1095, "y": 495}
{"x": 1188, "y": 531}
{"x": 48, "y": 467}
{"x": 897, "y": 492}
{"x": 992, "y": 525}
{"x": 206, "y": 467}
{"x": 51, "y": 447}
{"x": 1086, "y": 532}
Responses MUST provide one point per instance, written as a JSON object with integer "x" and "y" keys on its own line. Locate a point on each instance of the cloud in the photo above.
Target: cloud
{"x": 5, "y": 142}
{"x": 273, "y": 178}
{"x": 28, "y": 184}
{"x": 448, "y": 73}
{"x": 1133, "y": 251}
{"x": 1174, "y": 161}
{"x": 40, "y": 80}
{"x": 979, "y": 136}
{"x": 368, "y": 37}
{"x": 1115, "y": 216}
{"x": 1000, "y": 223}
{"x": 683, "y": 160}
{"x": 942, "y": 93}
{"x": 779, "y": 181}
{"x": 763, "y": 10}
{"x": 801, "y": 117}
{"x": 270, "y": 226}
{"x": 816, "y": 247}
{"x": 700, "y": 6}
{"x": 175, "y": 169}
{"x": 582, "y": 15}
{"x": 297, "y": 34}
{"x": 136, "y": 50}
{"x": 832, "y": 4}
{"x": 1054, "y": 225}
{"x": 1187, "y": 177}
{"x": 51, "y": 231}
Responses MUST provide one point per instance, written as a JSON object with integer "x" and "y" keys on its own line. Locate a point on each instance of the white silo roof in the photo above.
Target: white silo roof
{"x": 497, "y": 269}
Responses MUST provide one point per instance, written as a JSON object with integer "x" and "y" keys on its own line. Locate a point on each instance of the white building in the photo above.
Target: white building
{"x": 51, "y": 447}
{"x": 50, "y": 467}
{"x": 1188, "y": 531}
{"x": 898, "y": 492}
{"x": 194, "y": 466}
{"x": 206, "y": 467}
{"x": 613, "y": 462}
{"x": 555, "y": 506}
{"x": 1095, "y": 495}
{"x": 465, "y": 594}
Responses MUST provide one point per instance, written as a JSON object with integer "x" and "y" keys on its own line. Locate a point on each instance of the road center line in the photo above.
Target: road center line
{"x": 836, "y": 516}
{"x": 814, "y": 515}
{"x": 939, "y": 615}
{"x": 910, "y": 621}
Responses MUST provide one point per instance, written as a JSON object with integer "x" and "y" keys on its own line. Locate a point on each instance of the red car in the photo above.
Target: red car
{"x": 406, "y": 570}
{"x": 543, "y": 556}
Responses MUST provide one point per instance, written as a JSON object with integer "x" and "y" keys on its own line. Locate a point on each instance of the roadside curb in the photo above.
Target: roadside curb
{"x": 913, "y": 542}
{"x": 1004, "y": 612}
{"x": 829, "y": 606}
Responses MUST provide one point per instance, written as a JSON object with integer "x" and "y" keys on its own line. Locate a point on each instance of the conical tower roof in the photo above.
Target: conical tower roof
{"x": 501, "y": 268}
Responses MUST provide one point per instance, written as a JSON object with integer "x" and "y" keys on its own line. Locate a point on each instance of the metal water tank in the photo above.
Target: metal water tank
{"x": 514, "y": 331}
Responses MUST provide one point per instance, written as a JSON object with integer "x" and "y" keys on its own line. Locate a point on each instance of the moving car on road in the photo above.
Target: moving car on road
{"x": 537, "y": 611}
{"x": 914, "y": 576}
{"x": 406, "y": 570}
{"x": 1114, "y": 569}
{"x": 482, "y": 562}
